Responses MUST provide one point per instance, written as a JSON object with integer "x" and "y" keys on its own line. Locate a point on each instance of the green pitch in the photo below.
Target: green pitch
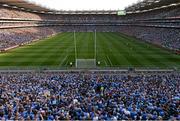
{"x": 113, "y": 50}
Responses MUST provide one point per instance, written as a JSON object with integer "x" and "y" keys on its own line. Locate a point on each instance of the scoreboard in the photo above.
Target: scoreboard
{"x": 121, "y": 13}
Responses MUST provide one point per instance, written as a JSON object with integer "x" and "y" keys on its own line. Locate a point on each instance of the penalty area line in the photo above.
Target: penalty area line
{"x": 105, "y": 62}
{"x": 109, "y": 60}
{"x": 63, "y": 60}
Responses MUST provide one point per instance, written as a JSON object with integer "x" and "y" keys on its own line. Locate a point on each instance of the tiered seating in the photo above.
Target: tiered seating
{"x": 19, "y": 36}
{"x": 89, "y": 96}
{"x": 13, "y": 13}
{"x": 161, "y": 24}
{"x": 19, "y": 27}
{"x": 158, "y": 26}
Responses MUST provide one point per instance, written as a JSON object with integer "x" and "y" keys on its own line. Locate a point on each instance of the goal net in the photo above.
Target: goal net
{"x": 85, "y": 63}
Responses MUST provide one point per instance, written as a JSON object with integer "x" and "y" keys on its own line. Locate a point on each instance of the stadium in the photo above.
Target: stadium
{"x": 90, "y": 64}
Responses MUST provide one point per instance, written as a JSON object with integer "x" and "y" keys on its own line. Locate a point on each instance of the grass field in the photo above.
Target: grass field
{"x": 113, "y": 50}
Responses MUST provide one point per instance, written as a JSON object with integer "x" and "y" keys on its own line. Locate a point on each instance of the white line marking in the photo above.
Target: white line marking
{"x": 63, "y": 60}
{"x": 66, "y": 63}
{"x": 105, "y": 63}
{"x": 109, "y": 60}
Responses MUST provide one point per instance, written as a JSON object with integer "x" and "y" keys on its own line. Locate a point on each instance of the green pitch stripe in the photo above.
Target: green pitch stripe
{"x": 113, "y": 49}
{"x": 110, "y": 50}
{"x": 156, "y": 55}
{"x": 138, "y": 52}
{"x": 130, "y": 58}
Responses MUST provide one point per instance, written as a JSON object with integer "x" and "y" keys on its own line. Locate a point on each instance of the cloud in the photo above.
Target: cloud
{"x": 85, "y": 4}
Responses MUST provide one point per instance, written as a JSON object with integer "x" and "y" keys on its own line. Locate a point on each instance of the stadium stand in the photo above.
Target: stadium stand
{"x": 89, "y": 96}
{"x": 12, "y": 13}
{"x": 157, "y": 22}
{"x": 150, "y": 5}
{"x": 160, "y": 18}
{"x": 20, "y": 36}
{"x": 19, "y": 26}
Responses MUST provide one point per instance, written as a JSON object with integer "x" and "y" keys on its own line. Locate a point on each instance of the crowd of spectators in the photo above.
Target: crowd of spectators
{"x": 11, "y": 36}
{"x": 6, "y": 24}
{"x": 159, "y": 13}
{"x": 18, "y": 36}
{"x": 166, "y": 37}
{"x": 75, "y": 96}
{"x": 160, "y": 27}
{"x": 14, "y": 13}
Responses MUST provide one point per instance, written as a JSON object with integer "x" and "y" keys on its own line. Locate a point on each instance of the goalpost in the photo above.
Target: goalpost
{"x": 85, "y": 63}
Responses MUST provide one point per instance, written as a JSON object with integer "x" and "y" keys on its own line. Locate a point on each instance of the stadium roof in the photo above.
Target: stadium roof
{"x": 88, "y": 12}
{"x": 146, "y": 5}
{"x": 31, "y": 7}
{"x": 24, "y": 5}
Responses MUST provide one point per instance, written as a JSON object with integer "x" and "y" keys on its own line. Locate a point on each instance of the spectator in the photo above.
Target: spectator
{"x": 71, "y": 96}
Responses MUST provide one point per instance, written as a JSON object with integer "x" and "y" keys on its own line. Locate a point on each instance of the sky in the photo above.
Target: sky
{"x": 85, "y": 4}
